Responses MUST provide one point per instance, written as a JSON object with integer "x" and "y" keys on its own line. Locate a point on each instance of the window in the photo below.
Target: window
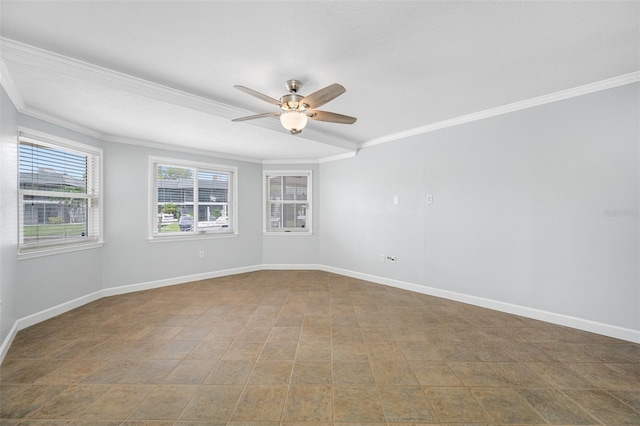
{"x": 192, "y": 198}
{"x": 59, "y": 194}
{"x": 287, "y": 201}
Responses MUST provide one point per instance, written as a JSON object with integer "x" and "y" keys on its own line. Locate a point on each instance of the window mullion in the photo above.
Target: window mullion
{"x": 196, "y": 197}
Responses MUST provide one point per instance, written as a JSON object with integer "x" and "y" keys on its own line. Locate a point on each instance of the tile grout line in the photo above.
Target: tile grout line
{"x": 333, "y": 411}
{"x": 180, "y": 362}
{"x": 593, "y": 416}
{"x": 375, "y": 381}
{"x": 293, "y": 364}
{"x": 255, "y": 362}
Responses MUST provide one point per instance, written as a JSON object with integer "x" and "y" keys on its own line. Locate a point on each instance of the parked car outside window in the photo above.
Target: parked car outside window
{"x": 186, "y": 222}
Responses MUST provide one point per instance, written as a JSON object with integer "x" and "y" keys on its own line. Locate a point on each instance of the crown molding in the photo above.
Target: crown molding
{"x": 31, "y": 112}
{"x": 344, "y": 156}
{"x": 350, "y": 154}
{"x": 53, "y": 119}
{"x": 291, "y": 161}
{"x": 25, "y": 54}
{"x": 586, "y": 89}
{"x": 14, "y": 51}
{"x": 182, "y": 149}
{"x": 131, "y": 141}
{"x": 9, "y": 86}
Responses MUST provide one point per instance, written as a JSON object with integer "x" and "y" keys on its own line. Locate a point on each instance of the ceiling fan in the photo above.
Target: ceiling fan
{"x": 295, "y": 109}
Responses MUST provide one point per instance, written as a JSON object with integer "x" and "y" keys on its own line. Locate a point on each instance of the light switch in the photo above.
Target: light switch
{"x": 395, "y": 199}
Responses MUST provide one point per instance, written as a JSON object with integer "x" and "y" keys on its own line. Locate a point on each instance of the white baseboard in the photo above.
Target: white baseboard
{"x": 293, "y": 267}
{"x": 48, "y": 313}
{"x": 6, "y": 343}
{"x": 524, "y": 311}
{"x": 114, "y": 291}
{"x": 44, "y": 315}
{"x": 554, "y": 318}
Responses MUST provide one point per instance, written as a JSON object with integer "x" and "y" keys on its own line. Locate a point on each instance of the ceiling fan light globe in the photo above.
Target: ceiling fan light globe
{"x": 293, "y": 120}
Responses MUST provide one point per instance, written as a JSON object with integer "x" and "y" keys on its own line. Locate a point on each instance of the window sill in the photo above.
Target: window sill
{"x": 298, "y": 233}
{"x": 30, "y": 254}
{"x": 191, "y": 237}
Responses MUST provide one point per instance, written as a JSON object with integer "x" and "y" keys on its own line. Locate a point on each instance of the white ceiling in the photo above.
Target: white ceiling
{"x": 163, "y": 71}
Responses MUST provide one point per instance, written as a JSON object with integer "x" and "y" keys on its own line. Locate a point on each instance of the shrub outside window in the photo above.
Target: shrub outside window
{"x": 287, "y": 201}
{"x": 192, "y": 198}
{"x": 59, "y": 194}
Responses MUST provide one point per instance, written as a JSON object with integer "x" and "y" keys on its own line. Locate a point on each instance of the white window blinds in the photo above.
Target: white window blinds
{"x": 59, "y": 190}
{"x": 193, "y": 198}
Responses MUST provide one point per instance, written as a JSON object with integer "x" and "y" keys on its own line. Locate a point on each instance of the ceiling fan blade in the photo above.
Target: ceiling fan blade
{"x": 331, "y": 117}
{"x": 252, "y": 117}
{"x": 259, "y": 95}
{"x": 323, "y": 96}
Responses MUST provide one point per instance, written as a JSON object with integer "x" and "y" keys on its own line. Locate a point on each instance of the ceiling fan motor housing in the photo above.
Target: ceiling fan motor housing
{"x": 292, "y": 102}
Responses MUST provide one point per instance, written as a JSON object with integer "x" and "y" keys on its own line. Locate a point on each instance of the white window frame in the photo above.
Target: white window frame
{"x": 266, "y": 207}
{"x": 93, "y": 195}
{"x": 155, "y": 236}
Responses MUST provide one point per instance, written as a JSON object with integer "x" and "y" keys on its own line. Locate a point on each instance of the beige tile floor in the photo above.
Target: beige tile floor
{"x": 308, "y": 347}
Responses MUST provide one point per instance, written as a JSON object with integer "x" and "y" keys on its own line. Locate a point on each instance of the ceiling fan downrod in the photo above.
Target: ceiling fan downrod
{"x": 293, "y": 85}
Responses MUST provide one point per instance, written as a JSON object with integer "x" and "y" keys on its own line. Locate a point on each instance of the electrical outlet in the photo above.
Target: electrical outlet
{"x": 382, "y": 258}
{"x": 201, "y": 255}
{"x": 429, "y": 198}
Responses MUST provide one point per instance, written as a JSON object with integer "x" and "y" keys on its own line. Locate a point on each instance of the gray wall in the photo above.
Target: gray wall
{"x": 521, "y": 208}
{"x": 129, "y": 257}
{"x": 8, "y": 209}
{"x": 48, "y": 281}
